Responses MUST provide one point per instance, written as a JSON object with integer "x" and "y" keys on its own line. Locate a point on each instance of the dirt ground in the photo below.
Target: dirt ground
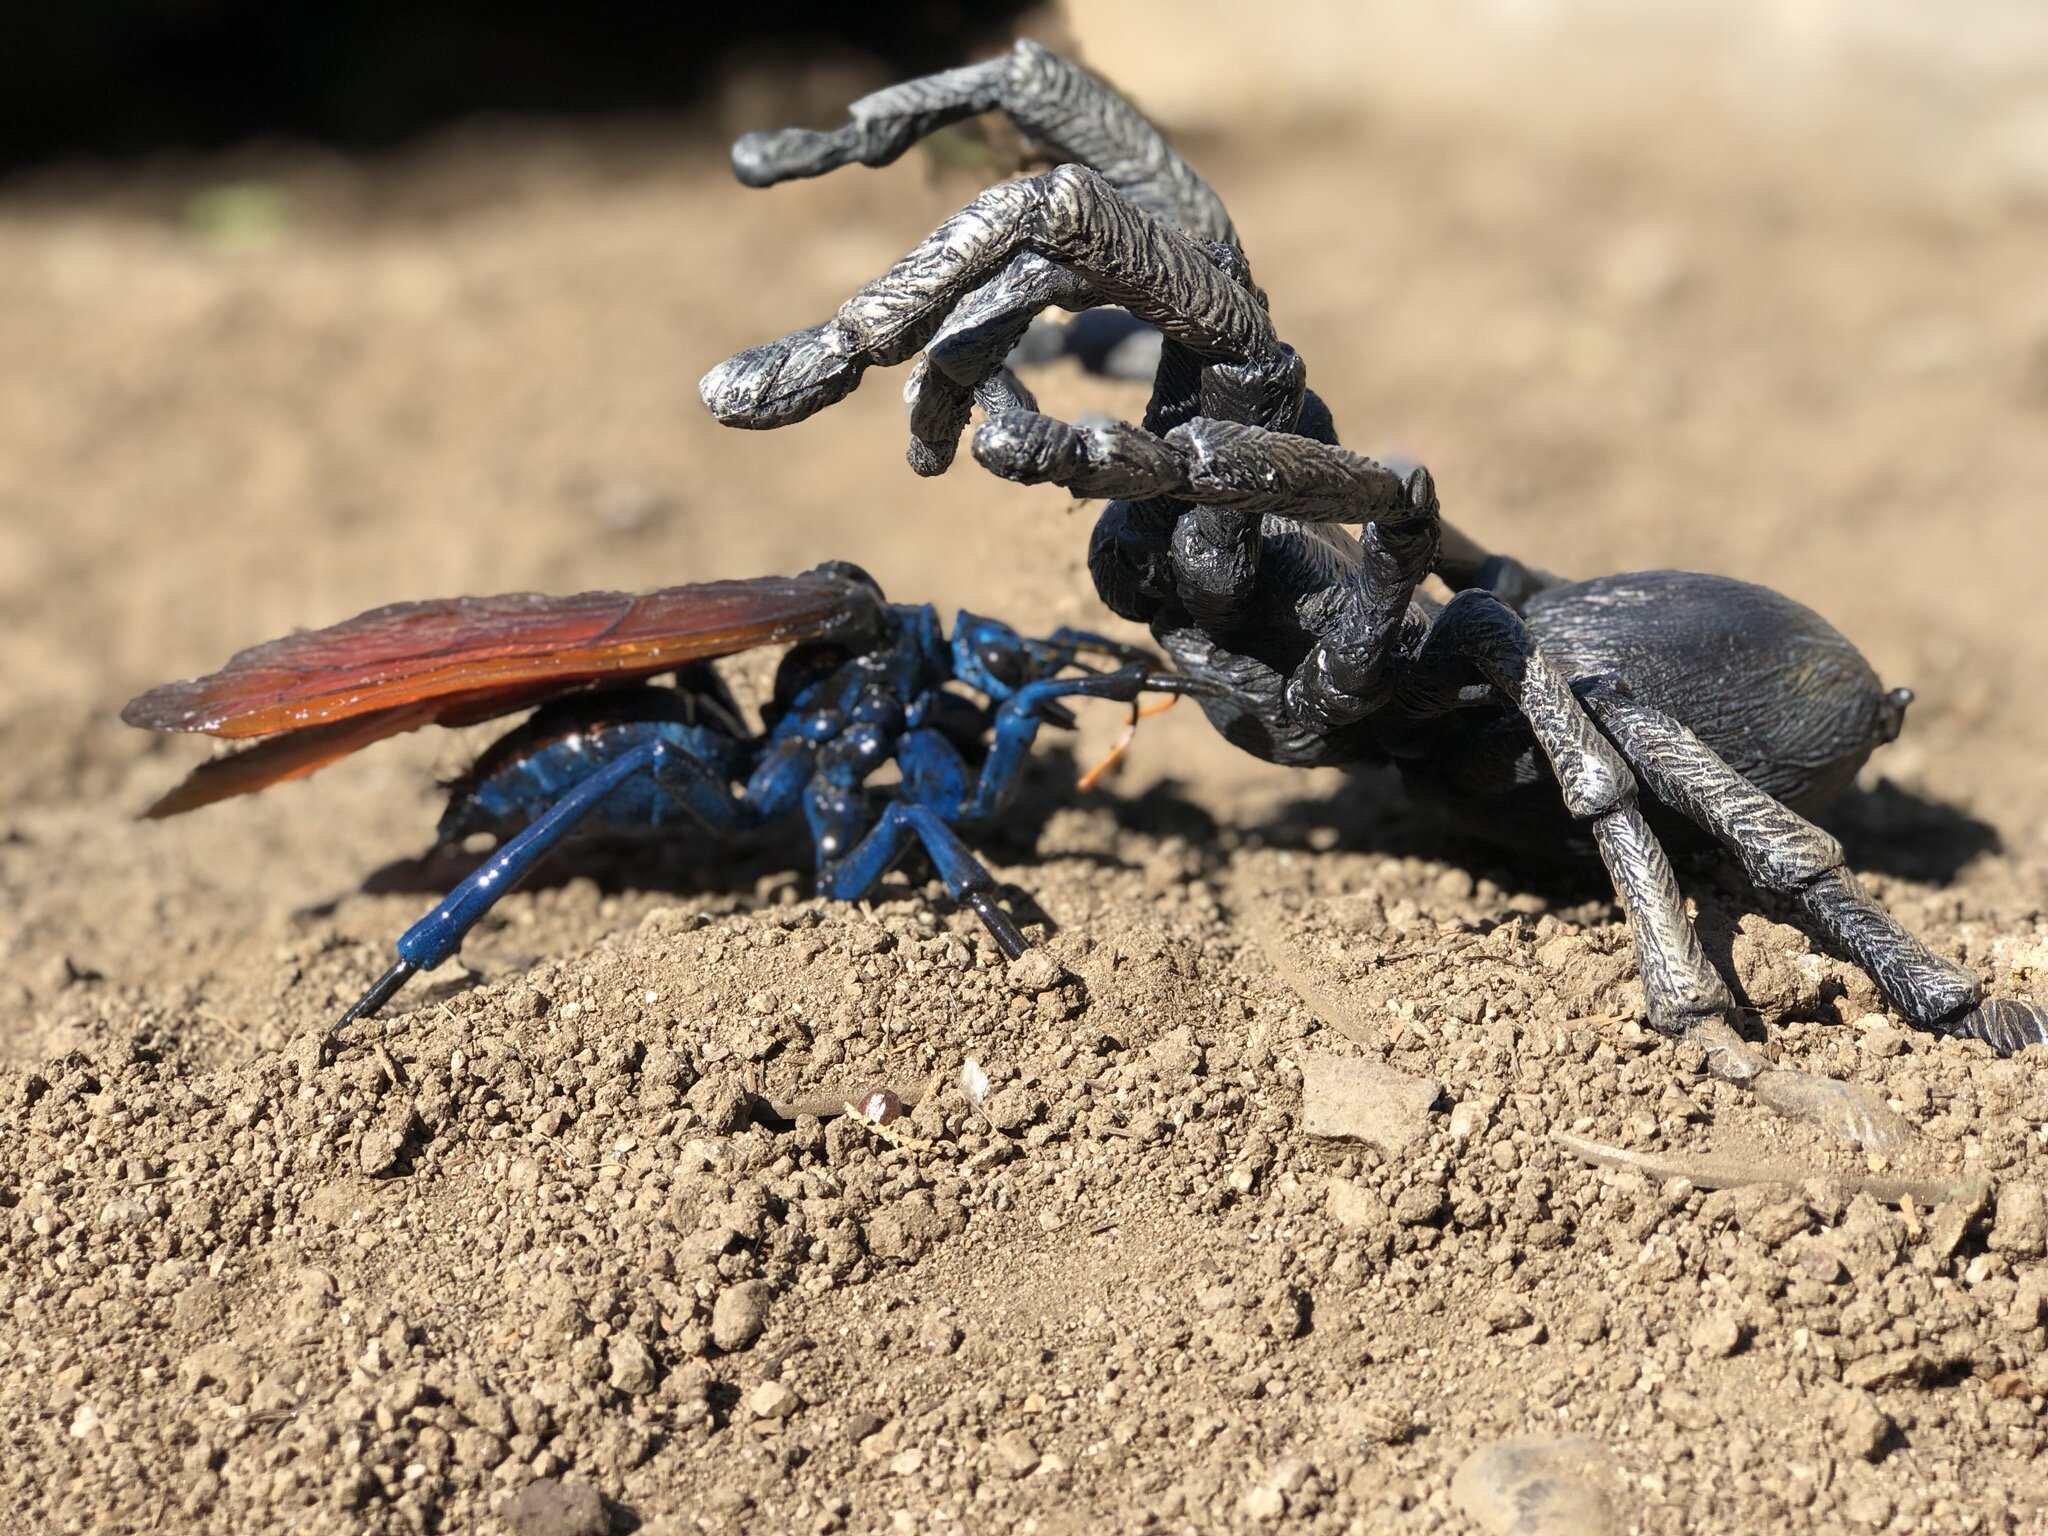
{"x": 536, "y": 1248}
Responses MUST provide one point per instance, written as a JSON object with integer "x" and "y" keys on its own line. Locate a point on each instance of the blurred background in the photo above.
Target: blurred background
{"x": 305, "y": 308}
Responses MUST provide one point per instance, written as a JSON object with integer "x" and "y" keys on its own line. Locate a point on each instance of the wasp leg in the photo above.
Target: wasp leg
{"x": 1020, "y": 716}
{"x": 1787, "y": 855}
{"x": 437, "y": 936}
{"x": 855, "y": 873}
{"x": 1064, "y": 108}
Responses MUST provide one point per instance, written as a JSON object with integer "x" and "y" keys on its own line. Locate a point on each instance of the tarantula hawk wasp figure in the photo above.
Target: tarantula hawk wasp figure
{"x": 1538, "y": 708}
{"x": 865, "y": 684}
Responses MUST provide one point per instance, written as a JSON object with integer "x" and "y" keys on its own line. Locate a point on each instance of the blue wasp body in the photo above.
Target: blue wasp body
{"x": 656, "y": 755}
{"x": 866, "y": 684}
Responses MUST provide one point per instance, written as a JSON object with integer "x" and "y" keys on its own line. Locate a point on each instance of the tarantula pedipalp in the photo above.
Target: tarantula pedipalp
{"x": 1534, "y": 706}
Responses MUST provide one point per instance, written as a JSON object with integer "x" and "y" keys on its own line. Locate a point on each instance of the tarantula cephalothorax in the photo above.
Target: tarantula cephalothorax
{"x": 1535, "y": 706}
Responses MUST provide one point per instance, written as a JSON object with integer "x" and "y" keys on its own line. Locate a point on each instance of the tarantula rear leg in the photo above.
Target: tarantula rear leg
{"x": 1788, "y": 856}
{"x": 1682, "y": 993}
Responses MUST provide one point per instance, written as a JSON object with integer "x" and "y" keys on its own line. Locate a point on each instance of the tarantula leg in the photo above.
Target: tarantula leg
{"x": 1788, "y": 856}
{"x": 1465, "y": 566}
{"x": 964, "y": 364}
{"x": 1070, "y": 216}
{"x": 1680, "y": 987}
{"x": 1110, "y": 459}
{"x": 1683, "y": 995}
{"x": 1109, "y": 343}
{"x": 1064, "y": 108}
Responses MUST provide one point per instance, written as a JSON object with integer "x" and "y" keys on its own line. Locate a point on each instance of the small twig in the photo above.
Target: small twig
{"x": 1708, "y": 1172}
{"x": 825, "y": 1105}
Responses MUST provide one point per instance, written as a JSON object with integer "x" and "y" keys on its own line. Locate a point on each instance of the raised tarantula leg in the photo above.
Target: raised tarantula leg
{"x": 1070, "y": 216}
{"x": 964, "y": 364}
{"x": 1787, "y": 855}
{"x": 1222, "y": 463}
{"x": 1064, "y": 108}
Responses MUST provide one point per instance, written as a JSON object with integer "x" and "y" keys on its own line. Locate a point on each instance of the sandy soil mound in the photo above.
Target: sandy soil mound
{"x": 580, "y": 1236}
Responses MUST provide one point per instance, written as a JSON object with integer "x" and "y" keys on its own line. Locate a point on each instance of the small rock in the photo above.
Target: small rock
{"x": 1861, "y": 1427}
{"x": 1687, "y": 1411}
{"x": 1290, "y": 1474}
{"x": 1015, "y": 1455}
{"x": 2029, "y": 1306}
{"x": 1013, "y": 1109}
{"x": 1538, "y": 1487}
{"x": 1769, "y": 1215}
{"x": 773, "y": 1400}
{"x": 1819, "y": 1262}
{"x": 862, "y": 1425}
{"x": 85, "y": 1421}
{"x": 1263, "y": 1504}
{"x": 906, "y": 1462}
{"x": 1355, "y": 1206}
{"x": 1380, "y": 1422}
{"x": 1717, "y": 1336}
{"x": 1418, "y": 1205}
{"x": 1894, "y": 1368}
{"x": 380, "y": 1150}
{"x": 1505, "y": 1313}
{"x": 1950, "y": 1223}
{"x": 2020, "y": 1228}
{"x": 740, "y": 1315}
{"x": 1588, "y": 1325}
{"x": 1035, "y": 971}
{"x": 1362, "y": 1100}
{"x": 632, "y": 1365}
{"x": 1872, "y": 1508}
{"x": 550, "y": 1507}
{"x": 1468, "y": 1119}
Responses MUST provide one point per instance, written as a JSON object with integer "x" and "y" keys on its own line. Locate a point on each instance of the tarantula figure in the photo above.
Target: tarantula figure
{"x": 1623, "y": 707}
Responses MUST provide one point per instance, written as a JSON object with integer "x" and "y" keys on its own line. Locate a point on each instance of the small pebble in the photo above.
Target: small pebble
{"x": 773, "y": 1400}
{"x": 740, "y": 1315}
{"x": 1015, "y": 1455}
{"x": 1035, "y": 971}
{"x": 1862, "y": 1428}
{"x": 1717, "y": 1336}
{"x": 1264, "y": 1504}
{"x": 632, "y": 1365}
{"x": 550, "y": 1507}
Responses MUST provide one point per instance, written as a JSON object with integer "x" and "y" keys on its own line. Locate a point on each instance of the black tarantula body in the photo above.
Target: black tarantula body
{"x": 1536, "y": 707}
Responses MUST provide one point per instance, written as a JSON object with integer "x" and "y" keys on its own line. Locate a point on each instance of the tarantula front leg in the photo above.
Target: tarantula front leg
{"x": 1230, "y": 475}
{"x": 1071, "y": 217}
{"x": 1066, "y": 109}
{"x": 1787, "y": 855}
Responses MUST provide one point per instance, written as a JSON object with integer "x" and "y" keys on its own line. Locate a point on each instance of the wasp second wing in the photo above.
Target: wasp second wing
{"x": 412, "y": 653}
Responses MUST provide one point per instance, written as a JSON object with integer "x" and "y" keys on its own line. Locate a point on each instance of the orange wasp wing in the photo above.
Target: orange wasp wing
{"x": 329, "y": 692}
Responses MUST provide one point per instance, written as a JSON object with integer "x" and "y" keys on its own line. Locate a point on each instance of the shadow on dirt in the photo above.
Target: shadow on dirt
{"x": 1885, "y": 831}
